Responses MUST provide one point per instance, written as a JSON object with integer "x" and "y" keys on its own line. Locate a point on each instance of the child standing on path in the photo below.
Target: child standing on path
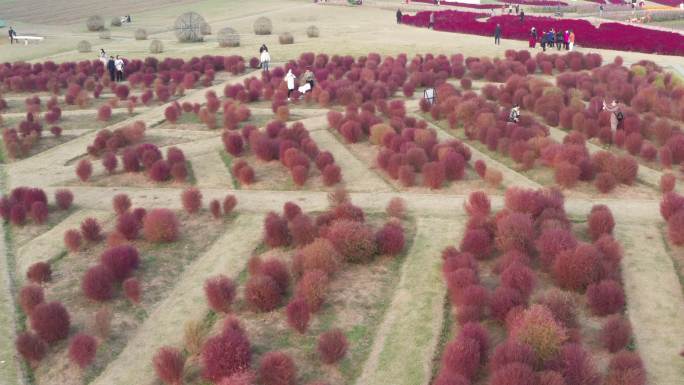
{"x": 290, "y": 79}
{"x": 265, "y": 58}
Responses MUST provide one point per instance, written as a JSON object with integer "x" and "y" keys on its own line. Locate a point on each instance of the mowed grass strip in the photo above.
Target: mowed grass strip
{"x": 654, "y": 301}
{"x": 228, "y": 255}
{"x": 404, "y": 346}
{"x": 9, "y": 359}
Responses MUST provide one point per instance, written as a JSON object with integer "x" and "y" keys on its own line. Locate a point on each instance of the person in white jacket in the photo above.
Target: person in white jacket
{"x": 290, "y": 79}
{"x": 265, "y": 60}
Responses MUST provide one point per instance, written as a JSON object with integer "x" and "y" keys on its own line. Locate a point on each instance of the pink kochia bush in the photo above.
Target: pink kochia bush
{"x": 30, "y": 347}
{"x": 160, "y": 226}
{"x": 226, "y": 354}
{"x": 192, "y": 200}
{"x": 82, "y": 350}
{"x": 332, "y": 346}
{"x": 277, "y": 368}
{"x": 50, "y": 321}
{"x": 220, "y": 292}
{"x": 168, "y": 363}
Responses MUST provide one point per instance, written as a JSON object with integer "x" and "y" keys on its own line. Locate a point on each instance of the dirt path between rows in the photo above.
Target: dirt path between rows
{"x": 165, "y": 324}
{"x": 404, "y": 346}
{"x": 655, "y": 305}
{"x": 10, "y": 362}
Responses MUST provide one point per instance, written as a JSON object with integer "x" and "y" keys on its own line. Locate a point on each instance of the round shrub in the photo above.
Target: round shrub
{"x": 514, "y": 232}
{"x": 446, "y": 377}
{"x": 675, "y": 228}
{"x": 226, "y": 354}
{"x": 228, "y": 37}
{"x": 168, "y": 363}
{"x": 121, "y": 261}
{"x": 276, "y": 232}
{"x": 98, "y": 283}
{"x": 82, "y": 349}
{"x": 84, "y": 169}
{"x": 519, "y": 277}
{"x": 156, "y": 46}
{"x": 50, "y": 321}
{"x": 625, "y": 169}
{"x": 220, "y": 293}
{"x": 462, "y": 356}
{"x": 433, "y": 174}
{"x": 128, "y": 225}
{"x": 263, "y": 26}
{"x": 605, "y": 182}
{"x": 667, "y": 182}
{"x": 83, "y": 46}
{"x": 17, "y": 215}
{"x": 354, "y": 240}
{"x": 504, "y": 300}
{"x": 600, "y": 221}
{"x": 298, "y": 314}
{"x": 626, "y": 368}
{"x": 132, "y": 289}
{"x": 91, "y": 230}
{"x": 478, "y": 242}
{"x": 95, "y": 23}
{"x": 332, "y": 346}
{"x": 192, "y": 200}
{"x": 553, "y": 241}
{"x": 262, "y": 293}
{"x": 616, "y": 333}
{"x": 605, "y": 297}
{"x": 577, "y": 269}
{"x": 277, "y": 368}
{"x": 512, "y": 351}
{"x": 109, "y": 162}
{"x": 312, "y": 31}
{"x": 320, "y": 255}
{"x": 332, "y": 174}
{"x": 537, "y": 328}
{"x": 578, "y": 365}
{"x": 478, "y": 204}
{"x": 277, "y": 270}
{"x": 30, "y": 347}
{"x": 390, "y": 239}
{"x": 39, "y": 212}
{"x": 30, "y": 296}
{"x": 312, "y": 287}
{"x": 229, "y": 203}
{"x": 39, "y": 272}
{"x": 140, "y": 34}
{"x": 160, "y": 226}
{"x": 562, "y": 306}
{"x": 64, "y": 198}
{"x": 121, "y": 203}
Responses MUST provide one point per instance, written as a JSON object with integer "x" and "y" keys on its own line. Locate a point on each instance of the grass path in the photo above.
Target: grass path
{"x": 51, "y": 243}
{"x": 210, "y": 171}
{"x": 654, "y": 301}
{"x": 10, "y": 367}
{"x": 228, "y": 255}
{"x": 405, "y": 344}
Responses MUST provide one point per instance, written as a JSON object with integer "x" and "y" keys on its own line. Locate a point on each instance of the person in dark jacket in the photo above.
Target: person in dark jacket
{"x": 497, "y": 34}
{"x": 543, "y": 41}
{"x": 559, "y": 39}
{"x": 522, "y": 16}
{"x": 111, "y": 67}
{"x": 12, "y": 34}
{"x": 399, "y": 16}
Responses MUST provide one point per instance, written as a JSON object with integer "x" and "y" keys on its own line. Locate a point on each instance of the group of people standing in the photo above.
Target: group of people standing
{"x": 115, "y": 66}
{"x": 561, "y": 39}
{"x": 290, "y": 78}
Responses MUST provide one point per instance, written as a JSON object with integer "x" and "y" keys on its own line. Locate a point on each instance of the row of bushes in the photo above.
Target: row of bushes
{"x": 543, "y": 341}
{"x": 607, "y": 35}
{"x": 23, "y": 202}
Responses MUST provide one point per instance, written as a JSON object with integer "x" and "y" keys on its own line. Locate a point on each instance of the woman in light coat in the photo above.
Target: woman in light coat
{"x": 615, "y": 114}
{"x": 290, "y": 79}
{"x": 265, "y": 60}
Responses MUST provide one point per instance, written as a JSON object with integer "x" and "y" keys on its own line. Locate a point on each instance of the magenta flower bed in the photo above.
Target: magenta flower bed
{"x": 608, "y": 35}
{"x": 543, "y": 3}
{"x": 671, "y": 3}
{"x": 464, "y": 5}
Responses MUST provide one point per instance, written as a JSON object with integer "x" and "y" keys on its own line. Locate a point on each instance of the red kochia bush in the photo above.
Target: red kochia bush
{"x": 519, "y": 277}
{"x": 667, "y": 182}
{"x": 447, "y": 377}
{"x": 39, "y": 272}
{"x": 675, "y": 228}
{"x": 50, "y": 321}
{"x": 168, "y": 363}
{"x": 109, "y": 162}
{"x": 615, "y": 333}
{"x": 478, "y": 204}
{"x": 192, "y": 200}
{"x": 477, "y": 242}
{"x": 576, "y": 270}
{"x": 462, "y": 356}
{"x": 312, "y": 287}
{"x": 275, "y": 230}
{"x": 302, "y": 229}
{"x": 132, "y": 290}
{"x": 91, "y": 230}
{"x": 262, "y": 293}
{"x": 625, "y": 368}
{"x": 98, "y": 283}
{"x": 128, "y": 225}
{"x": 433, "y": 174}
{"x": 298, "y": 314}
{"x": 72, "y": 240}
{"x": 121, "y": 261}
{"x": 514, "y": 232}
{"x": 84, "y": 169}
{"x": 64, "y": 198}
{"x": 512, "y": 351}
{"x": 390, "y": 239}
{"x": 30, "y": 296}
{"x": 31, "y": 348}
{"x": 332, "y": 174}
{"x": 600, "y": 221}
{"x": 605, "y": 182}
{"x": 121, "y": 203}
{"x": 578, "y": 366}
{"x": 277, "y": 270}
{"x": 354, "y": 240}
{"x": 226, "y": 354}
{"x": 220, "y": 293}
{"x": 332, "y": 346}
{"x": 39, "y": 212}
{"x": 229, "y": 203}
{"x": 605, "y": 297}
{"x": 277, "y": 368}
{"x": 513, "y": 374}
{"x": 82, "y": 350}
{"x": 160, "y": 225}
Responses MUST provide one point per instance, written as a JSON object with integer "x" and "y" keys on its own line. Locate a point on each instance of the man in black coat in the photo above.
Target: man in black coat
{"x": 12, "y": 34}
{"x": 399, "y": 16}
{"x": 111, "y": 68}
{"x": 497, "y": 34}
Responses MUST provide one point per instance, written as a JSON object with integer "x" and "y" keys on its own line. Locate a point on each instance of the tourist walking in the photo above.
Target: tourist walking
{"x": 12, "y": 34}
{"x": 497, "y": 35}
{"x": 119, "y": 64}
{"x": 103, "y": 57}
{"x": 533, "y": 37}
{"x": 543, "y": 41}
{"x": 514, "y": 115}
{"x": 264, "y": 58}
{"x": 111, "y": 67}
{"x": 601, "y": 10}
{"x": 566, "y": 39}
{"x": 399, "y": 16}
{"x": 571, "y": 39}
{"x": 290, "y": 79}
{"x": 308, "y": 78}
{"x": 522, "y": 16}
{"x": 559, "y": 39}
{"x": 431, "y": 24}
{"x": 616, "y": 115}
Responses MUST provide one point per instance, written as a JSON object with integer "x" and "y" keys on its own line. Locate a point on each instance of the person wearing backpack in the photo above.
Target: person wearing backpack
{"x": 616, "y": 115}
